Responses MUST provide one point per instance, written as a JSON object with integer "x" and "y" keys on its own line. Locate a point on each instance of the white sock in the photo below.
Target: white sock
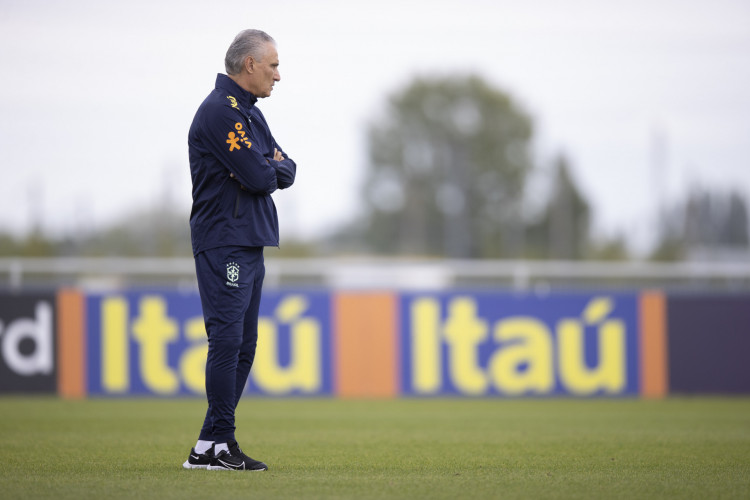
{"x": 202, "y": 447}
{"x": 220, "y": 446}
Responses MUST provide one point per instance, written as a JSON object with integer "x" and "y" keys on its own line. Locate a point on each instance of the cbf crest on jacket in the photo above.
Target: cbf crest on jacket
{"x": 229, "y": 135}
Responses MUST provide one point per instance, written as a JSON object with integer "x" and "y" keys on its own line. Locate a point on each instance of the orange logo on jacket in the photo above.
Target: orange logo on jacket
{"x": 234, "y": 138}
{"x": 232, "y": 141}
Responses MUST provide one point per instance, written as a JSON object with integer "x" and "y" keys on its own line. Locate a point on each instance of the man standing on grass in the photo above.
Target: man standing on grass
{"x": 235, "y": 165}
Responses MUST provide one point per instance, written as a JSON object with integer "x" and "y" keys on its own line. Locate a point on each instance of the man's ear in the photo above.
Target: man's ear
{"x": 250, "y": 64}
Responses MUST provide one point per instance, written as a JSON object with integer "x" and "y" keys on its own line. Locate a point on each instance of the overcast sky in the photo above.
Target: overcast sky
{"x": 96, "y": 97}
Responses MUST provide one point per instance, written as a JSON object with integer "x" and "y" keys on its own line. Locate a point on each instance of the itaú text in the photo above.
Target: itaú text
{"x": 456, "y": 350}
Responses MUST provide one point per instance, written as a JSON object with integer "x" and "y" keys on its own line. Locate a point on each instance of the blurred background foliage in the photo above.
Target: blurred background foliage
{"x": 451, "y": 174}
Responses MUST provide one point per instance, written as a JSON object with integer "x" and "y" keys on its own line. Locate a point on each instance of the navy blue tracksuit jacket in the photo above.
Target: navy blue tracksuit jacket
{"x": 230, "y": 135}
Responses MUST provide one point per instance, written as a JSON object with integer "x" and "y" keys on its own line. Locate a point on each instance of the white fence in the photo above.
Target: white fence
{"x": 380, "y": 273}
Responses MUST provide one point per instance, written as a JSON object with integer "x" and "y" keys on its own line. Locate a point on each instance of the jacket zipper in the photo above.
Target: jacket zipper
{"x": 237, "y": 204}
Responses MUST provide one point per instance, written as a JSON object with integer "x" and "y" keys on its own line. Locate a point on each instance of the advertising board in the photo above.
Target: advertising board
{"x": 27, "y": 343}
{"x": 154, "y": 343}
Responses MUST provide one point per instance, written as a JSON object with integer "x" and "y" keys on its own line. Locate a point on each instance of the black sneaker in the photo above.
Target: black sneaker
{"x": 226, "y": 461}
{"x": 250, "y": 464}
{"x": 198, "y": 460}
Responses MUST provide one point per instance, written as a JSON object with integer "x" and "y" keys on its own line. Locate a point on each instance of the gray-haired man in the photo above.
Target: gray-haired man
{"x": 235, "y": 165}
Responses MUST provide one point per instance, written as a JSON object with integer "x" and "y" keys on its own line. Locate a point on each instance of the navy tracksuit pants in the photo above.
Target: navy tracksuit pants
{"x": 230, "y": 280}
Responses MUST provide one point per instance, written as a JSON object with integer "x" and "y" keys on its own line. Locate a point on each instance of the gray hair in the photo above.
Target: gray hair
{"x": 246, "y": 43}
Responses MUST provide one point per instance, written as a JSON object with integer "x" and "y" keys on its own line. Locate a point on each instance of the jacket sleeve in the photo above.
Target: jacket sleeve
{"x": 286, "y": 170}
{"x": 228, "y": 138}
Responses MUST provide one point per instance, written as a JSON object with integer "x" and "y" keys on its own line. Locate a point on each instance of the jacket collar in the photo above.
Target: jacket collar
{"x": 245, "y": 98}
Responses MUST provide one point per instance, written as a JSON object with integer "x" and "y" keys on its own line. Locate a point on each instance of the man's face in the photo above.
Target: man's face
{"x": 266, "y": 72}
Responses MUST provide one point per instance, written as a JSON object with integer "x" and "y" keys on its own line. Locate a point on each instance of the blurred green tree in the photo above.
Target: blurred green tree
{"x": 449, "y": 162}
{"x": 706, "y": 224}
{"x": 563, "y": 230}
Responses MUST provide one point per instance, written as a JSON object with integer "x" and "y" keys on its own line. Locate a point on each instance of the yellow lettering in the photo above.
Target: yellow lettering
{"x": 193, "y": 361}
{"x": 609, "y": 375}
{"x": 303, "y": 372}
{"x": 526, "y": 364}
{"x": 153, "y": 330}
{"x": 463, "y": 332}
{"x": 115, "y": 352}
{"x": 425, "y": 349}
{"x": 597, "y": 309}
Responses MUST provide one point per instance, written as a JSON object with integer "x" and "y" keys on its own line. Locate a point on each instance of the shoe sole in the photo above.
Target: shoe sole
{"x": 219, "y": 467}
{"x": 188, "y": 465}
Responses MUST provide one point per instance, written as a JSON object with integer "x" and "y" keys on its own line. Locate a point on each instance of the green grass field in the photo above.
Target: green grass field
{"x": 321, "y": 448}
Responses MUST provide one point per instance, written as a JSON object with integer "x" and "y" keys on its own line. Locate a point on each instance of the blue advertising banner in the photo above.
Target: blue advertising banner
{"x": 154, "y": 343}
{"x": 491, "y": 343}
{"x": 470, "y": 343}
